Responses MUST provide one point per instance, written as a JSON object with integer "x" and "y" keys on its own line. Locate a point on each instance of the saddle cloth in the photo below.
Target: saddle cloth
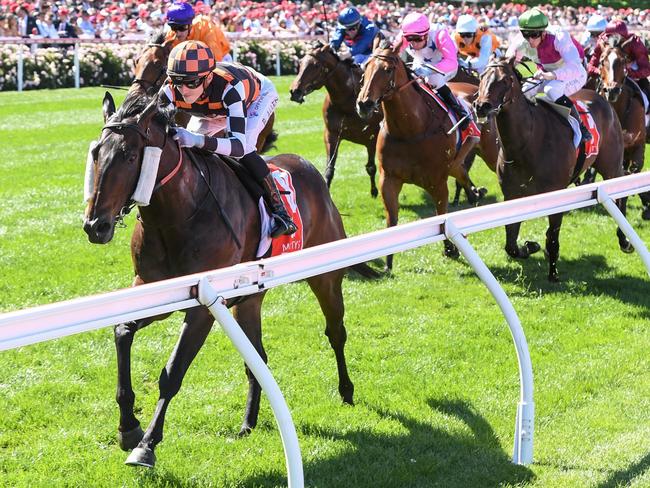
{"x": 282, "y": 244}
{"x": 591, "y": 147}
{"x": 471, "y": 131}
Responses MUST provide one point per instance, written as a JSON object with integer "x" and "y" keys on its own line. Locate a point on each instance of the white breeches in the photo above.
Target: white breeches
{"x": 436, "y": 80}
{"x": 554, "y": 89}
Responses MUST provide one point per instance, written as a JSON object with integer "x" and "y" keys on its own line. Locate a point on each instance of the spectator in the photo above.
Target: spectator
{"x": 85, "y": 25}
{"x": 26, "y": 23}
{"x": 64, "y": 27}
{"x": 46, "y": 27}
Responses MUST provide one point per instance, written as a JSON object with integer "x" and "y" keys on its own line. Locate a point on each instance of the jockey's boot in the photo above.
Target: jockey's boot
{"x": 282, "y": 223}
{"x": 566, "y": 102}
{"x": 452, "y": 102}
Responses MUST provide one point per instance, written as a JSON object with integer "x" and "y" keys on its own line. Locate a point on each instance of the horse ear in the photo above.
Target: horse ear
{"x": 108, "y": 106}
{"x": 317, "y": 44}
{"x": 376, "y": 41}
{"x": 149, "y": 111}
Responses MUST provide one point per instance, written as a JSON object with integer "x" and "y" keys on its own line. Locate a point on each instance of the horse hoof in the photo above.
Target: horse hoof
{"x": 141, "y": 456}
{"x": 245, "y": 431}
{"x": 627, "y": 248}
{"x": 554, "y": 277}
{"x": 532, "y": 247}
{"x": 374, "y": 192}
{"x": 130, "y": 439}
{"x": 482, "y": 191}
{"x": 452, "y": 252}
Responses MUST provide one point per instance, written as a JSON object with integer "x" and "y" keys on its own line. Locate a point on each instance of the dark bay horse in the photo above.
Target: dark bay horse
{"x": 625, "y": 98}
{"x": 182, "y": 232}
{"x": 537, "y": 154}
{"x": 341, "y": 78}
{"x": 151, "y": 72}
{"x": 413, "y": 145}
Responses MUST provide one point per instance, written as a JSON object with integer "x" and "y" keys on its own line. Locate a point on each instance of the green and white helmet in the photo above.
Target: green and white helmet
{"x": 533, "y": 19}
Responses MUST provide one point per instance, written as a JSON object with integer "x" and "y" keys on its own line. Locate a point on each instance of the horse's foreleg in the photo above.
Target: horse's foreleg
{"x": 129, "y": 430}
{"x": 248, "y": 316}
{"x": 440, "y": 194}
{"x": 553, "y": 245}
{"x": 198, "y": 322}
{"x": 623, "y": 242}
{"x": 460, "y": 170}
{"x": 327, "y": 289}
{"x": 332, "y": 143}
{"x": 390, "y": 189}
{"x": 371, "y": 168}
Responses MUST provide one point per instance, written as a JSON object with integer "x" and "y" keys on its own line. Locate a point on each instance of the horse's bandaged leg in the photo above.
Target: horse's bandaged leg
{"x": 89, "y": 177}
{"x": 148, "y": 172}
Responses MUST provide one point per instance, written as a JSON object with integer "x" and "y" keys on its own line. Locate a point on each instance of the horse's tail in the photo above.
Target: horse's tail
{"x": 269, "y": 142}
{"x": 366, "y": 271}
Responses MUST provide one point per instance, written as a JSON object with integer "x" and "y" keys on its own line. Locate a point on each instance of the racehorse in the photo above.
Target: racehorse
{"x": 625, "y": 98}
{"x": 341, "y": 78}
{"x": 413, "y": 144}
{"x": 151, "y": 73}
{"x": 200, "y": 218}
{"x": 537, "y": 154}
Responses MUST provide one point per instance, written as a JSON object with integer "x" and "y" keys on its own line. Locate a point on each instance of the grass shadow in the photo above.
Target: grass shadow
{"x": 624, "y": 477}
{"x": 418, "y": 455}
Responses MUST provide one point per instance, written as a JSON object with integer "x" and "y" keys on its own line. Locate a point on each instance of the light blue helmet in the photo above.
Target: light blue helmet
{"x": 596, "y": 23}
{"x": 349, "y": 17}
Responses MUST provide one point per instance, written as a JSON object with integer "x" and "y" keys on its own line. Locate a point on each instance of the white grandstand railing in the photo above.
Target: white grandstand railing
{"x": 212, "y": 288}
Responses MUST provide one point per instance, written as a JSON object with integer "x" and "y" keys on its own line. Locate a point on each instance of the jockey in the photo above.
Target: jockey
{"x": 558, "y": 57}
{"x": 357, "y": 32}
{"x": 212, "y": 92}
{"x": 475, "y": 44}
{"x": 595, "y": 26}
{"x": 435, "y": 58}
{"x": 638, "y": 68}
{"x": 185, "y": 26}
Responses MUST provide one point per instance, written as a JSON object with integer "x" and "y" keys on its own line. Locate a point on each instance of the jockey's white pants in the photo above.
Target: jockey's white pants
{"x": 436, "y": 80}
{"x": 554, "y": 89}
{"x": 257, "y": 116}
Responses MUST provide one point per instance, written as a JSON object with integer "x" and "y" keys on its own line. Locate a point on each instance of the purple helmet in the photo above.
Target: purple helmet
{"x": 180, "y": 13}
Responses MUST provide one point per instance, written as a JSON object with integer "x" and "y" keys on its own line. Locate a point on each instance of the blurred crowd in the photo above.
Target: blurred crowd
{"x": 114, "y": 19}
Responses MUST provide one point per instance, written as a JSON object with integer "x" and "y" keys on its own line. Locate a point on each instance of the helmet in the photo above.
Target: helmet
{"x": 190, "y": 59}
{"x": 617, "y": 27}
{"x": 596, "y": 23}
{"x": 533, "y": 19}
{"x": 349, "y": 17}
{"x": 415, "y": 24}
{"x": 466, "y": 24}
{"x": 180, "y": 13}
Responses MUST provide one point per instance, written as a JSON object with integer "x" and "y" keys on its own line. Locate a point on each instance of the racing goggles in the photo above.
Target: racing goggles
{"x": 179, "y": 27}
{"x": 190, "y": 83}
{"x": 415, "y": 37}
{"x": 530, "y": 34}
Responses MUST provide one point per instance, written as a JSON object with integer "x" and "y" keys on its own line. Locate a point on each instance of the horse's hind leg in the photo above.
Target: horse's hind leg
{"x": 129, "y": 430}
{"x": 198, "y": 323}
{"x": 513, "y": 249}
{"x": 371, "y": 168}
{"x": 553, "y": 245}
{"x": 327, "y": 288}
{"x": 248, "y": 316}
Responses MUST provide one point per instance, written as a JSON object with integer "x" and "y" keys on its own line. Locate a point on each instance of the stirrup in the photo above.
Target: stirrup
{"x": 282, "y": 226}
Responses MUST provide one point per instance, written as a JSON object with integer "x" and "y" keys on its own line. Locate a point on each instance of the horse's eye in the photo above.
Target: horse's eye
{"x": 131, "y": 157}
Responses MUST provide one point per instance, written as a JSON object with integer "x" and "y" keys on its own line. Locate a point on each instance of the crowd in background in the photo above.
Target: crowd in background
{"x": 114, "y": 19}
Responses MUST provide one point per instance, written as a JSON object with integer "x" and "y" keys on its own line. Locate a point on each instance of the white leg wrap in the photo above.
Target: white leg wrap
{"x": 148, "y": 172}
{"x": 89, "y": 177}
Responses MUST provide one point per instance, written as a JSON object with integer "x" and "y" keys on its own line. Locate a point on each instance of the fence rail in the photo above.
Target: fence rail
{"x": 211, "y": 288}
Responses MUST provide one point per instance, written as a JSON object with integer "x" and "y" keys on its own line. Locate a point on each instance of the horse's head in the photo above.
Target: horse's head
{"x": 115, "y": 163}
{"x": 315, "y": 68}
{"x": 613, "y": 69}
{"x": 500, "y": 84}
{"x": 151, "y": 66}
{"x": 380, "y": 77}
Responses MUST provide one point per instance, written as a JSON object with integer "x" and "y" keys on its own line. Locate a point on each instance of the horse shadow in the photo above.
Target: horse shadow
{"x": 624, "y": 477}
{"x": 425, "y": 208}
{"x": 592, "y": 269}
{"x": 414, "y": 454}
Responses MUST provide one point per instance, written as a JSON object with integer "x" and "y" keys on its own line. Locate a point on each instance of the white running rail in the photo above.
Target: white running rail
{"x": 61, "y": 319}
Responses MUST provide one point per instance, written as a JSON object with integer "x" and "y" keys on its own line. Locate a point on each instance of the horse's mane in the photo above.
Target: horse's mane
{"x": 135, "y": 103}
{"x": 157, "y": 37}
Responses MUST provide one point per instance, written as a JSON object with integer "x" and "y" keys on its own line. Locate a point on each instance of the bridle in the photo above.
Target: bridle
{"x": 392, "y": 88}
{"x": 507, "y": 100}
{"x": 146, "y": 84}
{"x": 324, "y": 69}
{"x": 615, "y": 88}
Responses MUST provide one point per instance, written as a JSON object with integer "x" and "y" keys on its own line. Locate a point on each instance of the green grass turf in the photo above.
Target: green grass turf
{"x": 429, "y": 351}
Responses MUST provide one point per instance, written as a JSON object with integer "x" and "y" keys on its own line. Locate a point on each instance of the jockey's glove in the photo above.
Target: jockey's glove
{"x": 187, "y": 138}
{"x": 423, "y": 72}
